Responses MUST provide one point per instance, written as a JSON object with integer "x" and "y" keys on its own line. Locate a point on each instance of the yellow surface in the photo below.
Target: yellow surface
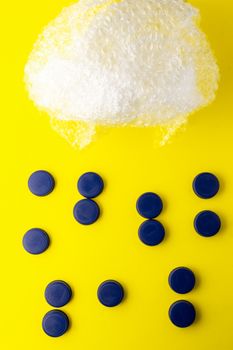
{"x": 130, "y": 164}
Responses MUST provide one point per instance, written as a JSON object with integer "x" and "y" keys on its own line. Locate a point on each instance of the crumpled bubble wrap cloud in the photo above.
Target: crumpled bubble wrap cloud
{"x": 121, "y": 62}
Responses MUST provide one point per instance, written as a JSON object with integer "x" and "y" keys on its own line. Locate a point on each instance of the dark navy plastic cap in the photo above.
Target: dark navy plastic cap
{"x": 181, "y": 280}
{"x": 151, "y": 232}
{"x": 207, "y": 223}
{"x": 206, "y": 185}
{"x": 182, "y": 313}
{"x": 58, "y": 293}
{"x": 86, "y": 211}
{"x": 110, "y": 293}
{"x": 149, "y": 205}
{"x": 90, "y": 185}
{"x": 36, "y": 241}
{"x": 41, "y": 183}
{"x": 55, "y": 323}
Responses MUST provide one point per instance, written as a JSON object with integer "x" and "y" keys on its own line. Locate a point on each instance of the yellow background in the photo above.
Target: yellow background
{"x": 130, "y": 165}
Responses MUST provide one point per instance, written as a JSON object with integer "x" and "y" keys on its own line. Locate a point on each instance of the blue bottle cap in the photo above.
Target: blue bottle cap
{"x": 110, "y": 293}
{"x": 182, "y": 313}
{"x": 181, "y": 280}
{"x": 149, "y": 205}
{"x": 41, "y": 183}
{"x": 90, "y": 185}
{"x": 151, "y": 232}
{"x": 36, "y": 241}
{"x": 207, "y": 223}
{"x": 206, "y": 185}
{"x": 86, "y": 211}
{"x": 55, "y": 323}
{"x": 58, "y": 293}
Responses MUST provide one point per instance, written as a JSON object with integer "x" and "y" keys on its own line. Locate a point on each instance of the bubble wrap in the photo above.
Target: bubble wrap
{"x": 121, "y": 62}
